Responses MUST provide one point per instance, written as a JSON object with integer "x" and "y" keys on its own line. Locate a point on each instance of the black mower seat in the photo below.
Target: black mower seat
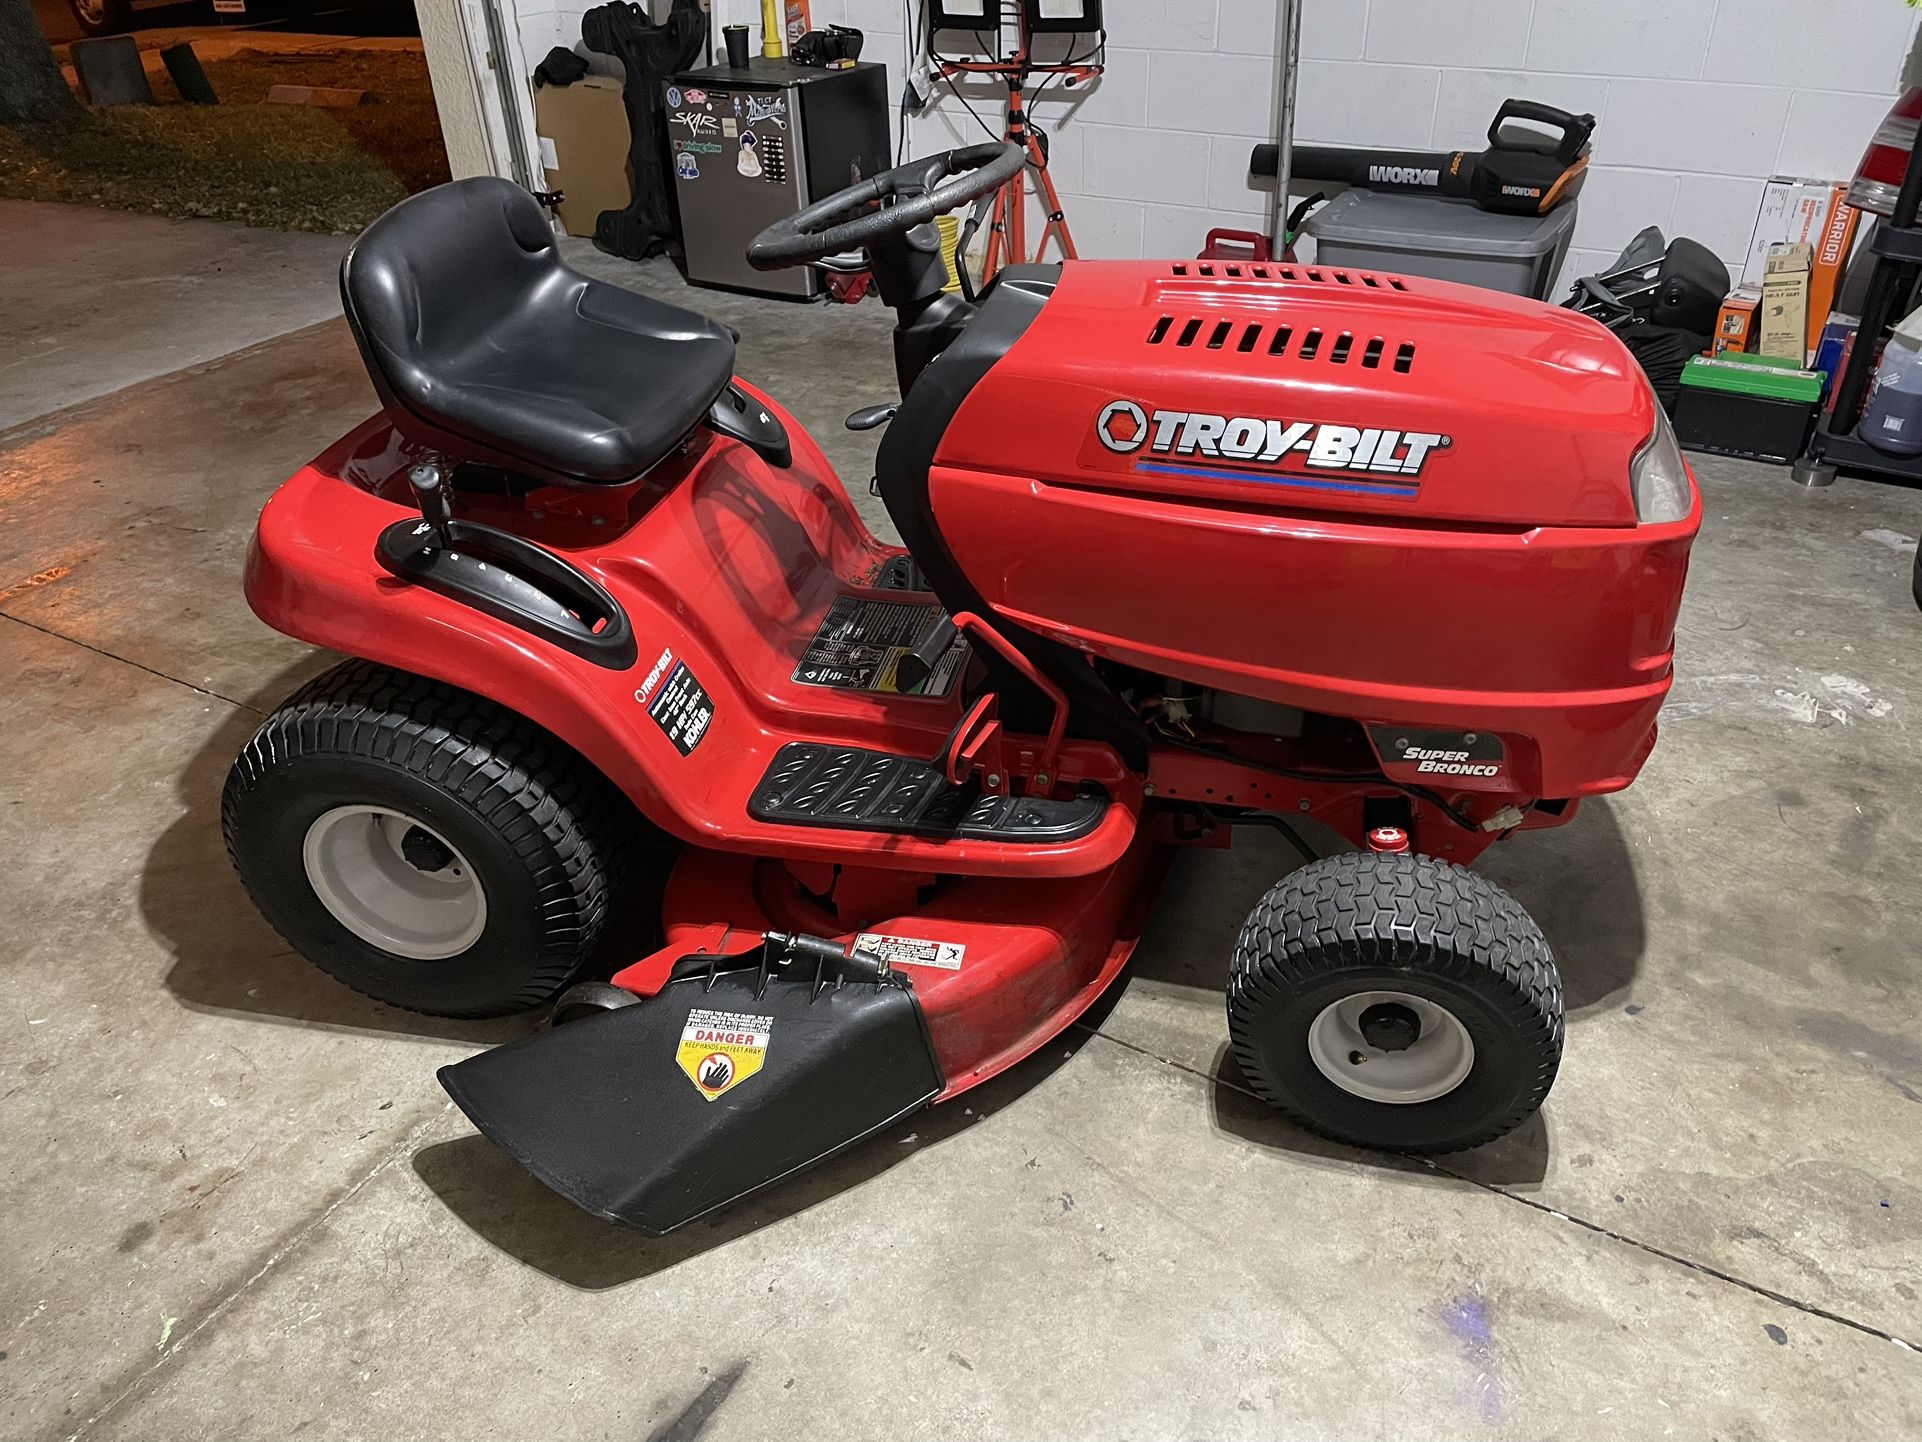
{"x": 483, "y": 344}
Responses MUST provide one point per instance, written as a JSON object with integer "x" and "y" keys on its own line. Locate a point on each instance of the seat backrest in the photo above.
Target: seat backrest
{"x": 433, "y": 273}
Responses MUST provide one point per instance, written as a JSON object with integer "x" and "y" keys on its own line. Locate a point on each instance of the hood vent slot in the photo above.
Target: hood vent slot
{"x": 1309, "y": 274}
{"x": 1246, "y": 336}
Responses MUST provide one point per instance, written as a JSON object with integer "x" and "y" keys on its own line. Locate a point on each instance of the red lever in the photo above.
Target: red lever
{"x": 968, "y": 622}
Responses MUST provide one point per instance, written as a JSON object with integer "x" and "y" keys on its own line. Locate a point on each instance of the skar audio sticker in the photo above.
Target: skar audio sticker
{"x": 678, "y": 703}
{"x": 1200, "y": 443}
{"x": 721, "y": 1049}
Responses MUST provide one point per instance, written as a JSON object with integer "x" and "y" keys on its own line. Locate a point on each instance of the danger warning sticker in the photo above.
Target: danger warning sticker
{"x": 721, "y": 1049}
{"x": 861, "y": 642}
{"x": 912, "y": 951}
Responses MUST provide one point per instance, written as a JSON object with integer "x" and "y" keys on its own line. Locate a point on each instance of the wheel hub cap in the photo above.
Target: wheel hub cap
{"x": 394, "y": 882}
{"x": 1391, "y": 1046}
{"x": 1390, "y": 1026}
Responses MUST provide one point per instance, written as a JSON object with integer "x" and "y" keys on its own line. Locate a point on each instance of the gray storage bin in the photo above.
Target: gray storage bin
{"x": 1444, "y": 239}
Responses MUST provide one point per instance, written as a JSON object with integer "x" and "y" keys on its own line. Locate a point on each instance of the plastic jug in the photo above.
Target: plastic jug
{"x": 1892, "y": 419}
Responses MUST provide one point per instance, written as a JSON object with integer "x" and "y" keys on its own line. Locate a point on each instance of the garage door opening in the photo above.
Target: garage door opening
{"x": 314, "y": 114}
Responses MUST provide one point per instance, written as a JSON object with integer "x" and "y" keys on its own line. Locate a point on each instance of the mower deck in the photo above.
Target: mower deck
{"x": 620, "y": 1113}
{"x": 999, "y": 965}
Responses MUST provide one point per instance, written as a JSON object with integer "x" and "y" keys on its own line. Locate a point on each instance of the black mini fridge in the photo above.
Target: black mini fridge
{"x": 751, "y": 146}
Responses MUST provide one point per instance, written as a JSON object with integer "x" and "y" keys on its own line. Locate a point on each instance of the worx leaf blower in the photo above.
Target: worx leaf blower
{"x": 1520, "y": 173}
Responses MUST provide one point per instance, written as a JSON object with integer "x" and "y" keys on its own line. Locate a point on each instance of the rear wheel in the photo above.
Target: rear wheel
{"x": 423, "y": 845}
{"x": 1395, "y": 1001}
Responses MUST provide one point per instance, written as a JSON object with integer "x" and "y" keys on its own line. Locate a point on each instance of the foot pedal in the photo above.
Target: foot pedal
{"x": 901, "y": 573}
{"x": 857, "y": 790}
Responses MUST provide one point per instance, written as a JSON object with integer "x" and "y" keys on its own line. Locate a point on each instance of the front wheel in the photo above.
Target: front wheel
{"x": 423, "y": 845}
{"x": 1396, "y": 1002}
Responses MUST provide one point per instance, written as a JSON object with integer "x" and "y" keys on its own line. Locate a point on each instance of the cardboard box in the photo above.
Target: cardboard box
{"x": 1785, "y": 301}
{"x": 1793, "y": 209}
{"x": 1833, "y": 346}
{"x": 1735, "y": 326}
{"x": 1831, "y": 254}
{"x": 584, "y": 136}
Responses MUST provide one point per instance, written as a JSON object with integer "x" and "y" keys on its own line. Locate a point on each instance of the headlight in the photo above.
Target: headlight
{"x": 1659, "y": 476}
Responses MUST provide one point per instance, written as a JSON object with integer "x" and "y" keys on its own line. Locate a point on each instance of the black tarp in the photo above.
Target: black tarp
{"x": 650, "y": 53}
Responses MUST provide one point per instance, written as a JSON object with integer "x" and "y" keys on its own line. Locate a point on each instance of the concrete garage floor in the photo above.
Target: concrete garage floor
{"x": 236, "y": 1203}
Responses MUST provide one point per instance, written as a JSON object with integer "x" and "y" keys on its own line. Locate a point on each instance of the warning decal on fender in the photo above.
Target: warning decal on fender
{"x": 678, "y": 703}
{"x": 912, "y": 951}
{"x": 861, "y": 642}
{"x": 721, "y": 1049}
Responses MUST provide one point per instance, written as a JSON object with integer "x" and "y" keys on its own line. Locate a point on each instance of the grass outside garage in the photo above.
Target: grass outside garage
{"x": 293, "y": 167}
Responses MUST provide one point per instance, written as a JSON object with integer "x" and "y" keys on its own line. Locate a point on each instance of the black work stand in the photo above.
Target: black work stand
{"x": 1834, "y": 445}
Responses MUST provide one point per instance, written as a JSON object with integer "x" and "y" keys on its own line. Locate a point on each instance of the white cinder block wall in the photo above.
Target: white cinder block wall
{"x": 1697, "y": 101}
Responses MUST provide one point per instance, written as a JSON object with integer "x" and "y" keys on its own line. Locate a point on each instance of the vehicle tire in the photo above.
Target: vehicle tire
{"x": 589, "y": 998}
{"x": 1397, "y": 1002}
{"x": 102, "y": 17}
{"x": 423, "y": 845}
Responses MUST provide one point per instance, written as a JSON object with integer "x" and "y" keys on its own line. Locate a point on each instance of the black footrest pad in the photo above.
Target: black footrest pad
{"x": 843, "y": 786}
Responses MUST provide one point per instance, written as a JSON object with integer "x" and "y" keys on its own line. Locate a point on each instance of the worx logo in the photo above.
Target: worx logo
{"x": 1126, "y": 428}
{"x": 1404, "y": 175}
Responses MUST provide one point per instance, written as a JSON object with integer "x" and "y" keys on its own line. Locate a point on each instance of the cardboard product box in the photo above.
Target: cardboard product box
{"x": 1832, "y": 349}
{"x": 1785, "y": 301}
{"x": 1793, "y": 209}
{"x": 1735, "y": 326}
{"x": 1832, "y": 248}
{"x": 584, "y": 137}
{"x": 800, "y": 20}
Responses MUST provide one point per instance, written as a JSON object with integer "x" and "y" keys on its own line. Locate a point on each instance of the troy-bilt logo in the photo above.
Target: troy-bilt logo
{"x": 1403, "y": 175}
{"x": 1126, "y": 428}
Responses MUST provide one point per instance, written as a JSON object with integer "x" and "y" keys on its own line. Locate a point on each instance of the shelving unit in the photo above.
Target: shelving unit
{"x": 1834, "y": 445}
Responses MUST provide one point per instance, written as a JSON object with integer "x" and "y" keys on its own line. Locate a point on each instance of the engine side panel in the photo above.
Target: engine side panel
{"x": 1453, "y": 544}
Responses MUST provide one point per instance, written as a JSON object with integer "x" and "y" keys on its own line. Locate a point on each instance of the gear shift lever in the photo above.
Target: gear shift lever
{"x": 430, "y": 491}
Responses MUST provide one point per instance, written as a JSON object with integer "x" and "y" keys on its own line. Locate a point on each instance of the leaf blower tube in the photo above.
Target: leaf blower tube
{"x": 1521, "y": 173}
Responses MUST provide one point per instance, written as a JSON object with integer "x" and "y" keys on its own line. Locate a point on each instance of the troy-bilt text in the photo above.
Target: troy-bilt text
{"x": 1125, "y": 427}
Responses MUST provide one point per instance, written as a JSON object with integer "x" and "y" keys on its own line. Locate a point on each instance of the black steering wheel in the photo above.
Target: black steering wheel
{"x": 892, "y": 203}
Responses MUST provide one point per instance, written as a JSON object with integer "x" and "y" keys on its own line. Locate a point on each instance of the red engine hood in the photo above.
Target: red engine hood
{"x": 1310, "y": 387}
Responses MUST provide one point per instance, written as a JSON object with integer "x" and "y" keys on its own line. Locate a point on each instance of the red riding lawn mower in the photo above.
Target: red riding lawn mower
{"x": 1189, "y": 546}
